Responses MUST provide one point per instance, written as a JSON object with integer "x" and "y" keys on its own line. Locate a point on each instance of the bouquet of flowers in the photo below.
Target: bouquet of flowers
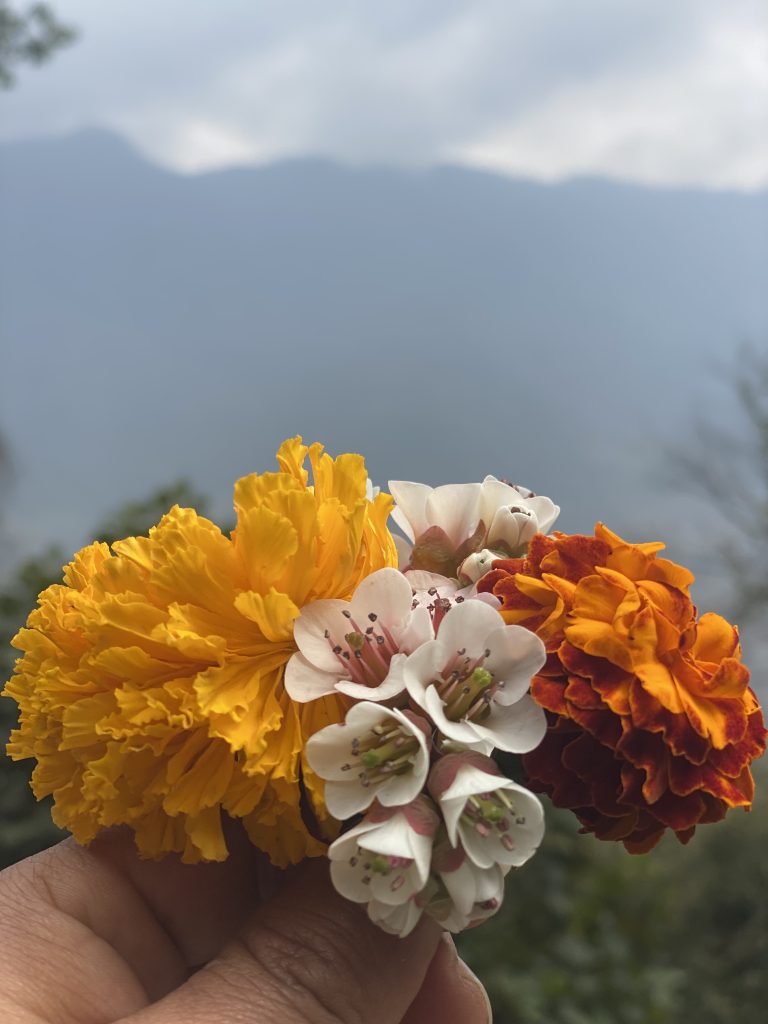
{"x": 350, "y": 693}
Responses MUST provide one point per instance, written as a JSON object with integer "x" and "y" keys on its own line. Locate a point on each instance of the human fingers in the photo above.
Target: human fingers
{"x": 199, "y": 906}
{"x": 450, "y": 993}
{"x": 93, "y": 934}
{"x": 307, "y": 956}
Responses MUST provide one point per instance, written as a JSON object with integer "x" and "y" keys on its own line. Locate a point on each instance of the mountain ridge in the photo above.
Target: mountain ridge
{"x": 448, "y": 322}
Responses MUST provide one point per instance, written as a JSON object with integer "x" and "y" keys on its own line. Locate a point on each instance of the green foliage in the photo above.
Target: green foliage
{"x": 588, "y": 934}
{"x": 30, "y": 36}
{"x": 591, "y": 935}
{"x": 26, "y": 824}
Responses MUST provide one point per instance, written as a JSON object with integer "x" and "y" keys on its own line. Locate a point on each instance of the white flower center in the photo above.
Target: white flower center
{"x": 466, "y": 688}
{"x": 487, "y": 813}
{"x": 381, "y": 865}
{"x": 438, "y": 607}
{"x": 385, "y": 750}
{"x": 366, "y": 652}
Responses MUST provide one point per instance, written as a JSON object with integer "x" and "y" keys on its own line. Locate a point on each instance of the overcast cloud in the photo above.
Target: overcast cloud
{"x": 645, "y": 90}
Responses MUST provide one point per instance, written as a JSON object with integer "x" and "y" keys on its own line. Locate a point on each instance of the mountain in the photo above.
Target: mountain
{"x": 446, "y": 322}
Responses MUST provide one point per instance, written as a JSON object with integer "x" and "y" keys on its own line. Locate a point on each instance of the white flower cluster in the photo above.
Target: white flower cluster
{"x": 436, "y": 681}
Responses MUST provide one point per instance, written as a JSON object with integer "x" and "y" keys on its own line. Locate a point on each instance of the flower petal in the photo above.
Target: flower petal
{"x": 310, "y": 628}
{"x": 385, "y": 594}
{"x": 305, "y": 682}
{"x": 516, "y": 657}
{"x": 455, "y": 509}
{"x": 389, "y": 687}
{"x": 400, "y": 920}
{"x": 410, "y": 506}
{"x": 517, "y": 729}
{"x": 466, "y": 626}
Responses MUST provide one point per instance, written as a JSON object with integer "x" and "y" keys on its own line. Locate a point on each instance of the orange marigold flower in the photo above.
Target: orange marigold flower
{"x": 151, "y": 683}
{"x": 652, "y": 723}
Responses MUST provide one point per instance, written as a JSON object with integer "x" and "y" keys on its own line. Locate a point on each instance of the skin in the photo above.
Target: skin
{"x": 96, "y": 935}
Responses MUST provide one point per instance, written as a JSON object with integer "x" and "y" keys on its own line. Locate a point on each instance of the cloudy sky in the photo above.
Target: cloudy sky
{"x": 653, "y": 91}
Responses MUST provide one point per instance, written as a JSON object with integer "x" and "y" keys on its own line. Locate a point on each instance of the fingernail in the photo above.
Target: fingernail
{"x": 471, "y": 978}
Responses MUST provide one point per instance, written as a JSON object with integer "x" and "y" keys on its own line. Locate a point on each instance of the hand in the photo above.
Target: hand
{"x": 91, "y": 936}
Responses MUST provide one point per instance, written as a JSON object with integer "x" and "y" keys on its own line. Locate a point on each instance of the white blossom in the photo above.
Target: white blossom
{"x": 492, "y": 818}
{"x": 357, "y": 647}
{"x": 398, "y": 920}
{"x": 376, "y": 753}
{"x": 460, "y": 894}
{"x": 384, "y": 861}
{"x": 472, "y": 680}
{"x": 447, "y": 525}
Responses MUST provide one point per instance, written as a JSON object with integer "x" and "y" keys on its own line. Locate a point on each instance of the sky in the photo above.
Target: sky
{"x": 647, "y": 91}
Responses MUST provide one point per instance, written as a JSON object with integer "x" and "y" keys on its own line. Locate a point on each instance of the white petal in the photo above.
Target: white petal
{"x": 309, "y": 632}
{"x": 345, "y": 799}
{"x": 462, "y": 885}
{"x": 526, "y": 830}
{"x": 421, "y": 580}
{"x": 477, "y": 565}
{"x": 470, "y": 780}
{"x": 304, "y": 682}
{"x": 343, "y": 847}
{"x": 401, "y": 789}
{"x": 329, "y": 748}
{"x": 386, "y": 594}
{"x": 479, "y": 850}
{"x": 455, "y": 509}
{"x": 396, "y": 888}
{"x": 420, "y": 669}
{"x": 527, "y": 835}
{"x": 466, "y": 626}
{"x": 345, "y": 794}
{"x": 418, "y": 631}
{"x": 371, "y": 491}
{"x": 517, "y": 729}
{"x": 410, "y": 506}
{"x": 389, "y": 687}
{"x": 348, "y": 881}
{"x": 396, "y": 838}
{"x": 545, "y": 510}
{"x": 393, "y": 838}
{"x": 403, "y": 549}
{"x": 495, "y": 494}
{"x": 490, "y": 885}
{"x": 516, "y": 656}
{"x": 463, "y": 731}
{"x": 470, "y": 886}
{"x": 400, "y": 920}
{"x": 512, "y": 529}
{"x": 452, "y": 810}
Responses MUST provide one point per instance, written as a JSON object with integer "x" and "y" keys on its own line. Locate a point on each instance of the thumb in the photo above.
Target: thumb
{"x": 307, "y": 957}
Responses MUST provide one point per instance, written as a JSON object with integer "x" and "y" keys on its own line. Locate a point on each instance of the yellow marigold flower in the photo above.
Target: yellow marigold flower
{"x": 652, "y": 723}
{"x": 151, "y": 682}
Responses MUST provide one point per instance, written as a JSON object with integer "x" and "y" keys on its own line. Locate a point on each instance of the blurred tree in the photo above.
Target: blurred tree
{"x": 25, "y": 824}
{"x": 589, "y": 934}
{"x": 728, "y": 466}
{"x": 31, "y": 36}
